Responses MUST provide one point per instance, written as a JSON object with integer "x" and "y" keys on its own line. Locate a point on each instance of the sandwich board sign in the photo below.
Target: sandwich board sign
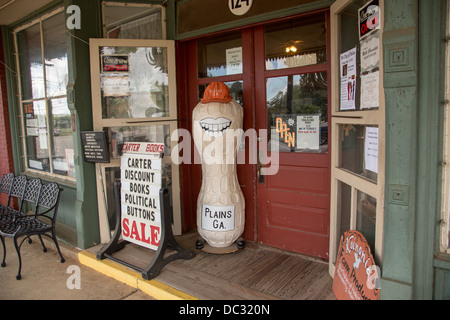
{"x": 141, "y": 172}
{"x": 356, "y": 275}
{"x": 143, "y": 209}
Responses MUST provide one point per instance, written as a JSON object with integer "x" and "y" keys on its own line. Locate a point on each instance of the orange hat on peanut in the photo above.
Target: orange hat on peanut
{"x": 216, "y": 92}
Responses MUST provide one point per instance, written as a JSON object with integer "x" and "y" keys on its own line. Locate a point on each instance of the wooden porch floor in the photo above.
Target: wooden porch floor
{"x": 256, "y": 272}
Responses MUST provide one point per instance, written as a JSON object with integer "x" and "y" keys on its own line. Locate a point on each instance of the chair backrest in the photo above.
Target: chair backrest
{"x": 6, "y": 183}
{"x": 18, "y": 188}
{"x": 31, "y": 194}
{"x": 49, "y": 199}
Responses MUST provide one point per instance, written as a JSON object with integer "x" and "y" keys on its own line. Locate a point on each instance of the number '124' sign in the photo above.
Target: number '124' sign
{"x": 239, "y": 7}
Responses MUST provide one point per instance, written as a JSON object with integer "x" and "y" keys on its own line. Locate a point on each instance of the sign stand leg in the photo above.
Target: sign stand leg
{"x": 114, "y": 244}
{"x": 167, "y": 239}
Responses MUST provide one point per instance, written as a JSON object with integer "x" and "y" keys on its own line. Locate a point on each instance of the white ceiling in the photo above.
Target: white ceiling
{"x": 13, "y": 10}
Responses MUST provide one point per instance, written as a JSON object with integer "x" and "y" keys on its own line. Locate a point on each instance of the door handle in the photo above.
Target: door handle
{"x": 260, "y": 176}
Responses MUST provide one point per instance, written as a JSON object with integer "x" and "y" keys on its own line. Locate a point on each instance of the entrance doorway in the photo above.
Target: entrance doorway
{"x": 279, "y": 72}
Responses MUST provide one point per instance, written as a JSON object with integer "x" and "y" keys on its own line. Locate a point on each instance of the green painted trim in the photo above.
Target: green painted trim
{"x": 429, "y": 175}
{"x": 171, "y": 19}
{"x": 8, "y": 47}
{"x": 395, "y": 290}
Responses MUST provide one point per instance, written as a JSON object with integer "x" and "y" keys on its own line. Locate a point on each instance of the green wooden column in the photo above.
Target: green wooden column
{"x": 400, "y": 46}
{"x": 80, "y": 105}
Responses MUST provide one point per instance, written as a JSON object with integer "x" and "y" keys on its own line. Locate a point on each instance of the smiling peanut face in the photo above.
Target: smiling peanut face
{"x": 212, "y": 120}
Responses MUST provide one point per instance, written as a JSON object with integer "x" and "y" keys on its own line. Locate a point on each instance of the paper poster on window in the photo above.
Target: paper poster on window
{"x": 116, "y": 86}
{"x": 308, "y": 132}
{"x": 32, "y": 127}
{"x": 371, "y": 149}
{"x": 234, "y": 60}
{"x": 370, "y": 90}
{"x": 42, "y": 133}
{"x": 370, "y": 52}
{"x": 28, "y": 110}
{"x": 348, "y": 79}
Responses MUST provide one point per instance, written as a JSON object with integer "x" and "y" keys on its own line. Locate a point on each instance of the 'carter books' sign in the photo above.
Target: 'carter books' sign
{"x": 141, "y": 181}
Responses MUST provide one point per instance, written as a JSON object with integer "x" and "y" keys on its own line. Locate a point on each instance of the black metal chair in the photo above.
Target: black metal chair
{"x": 17, "y": 191}
{"x": 5, "y": 188}
{"x": 42, "y": 222}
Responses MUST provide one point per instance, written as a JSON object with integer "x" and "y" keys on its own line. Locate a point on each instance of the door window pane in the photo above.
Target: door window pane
{"x": 296, "y": 43}
{"x": 220, "y": 56}
{"x": 297, "y": 112}
{"x": 366, "y": 218}
{"x": 359, "y": 75}
{"x": 134, "y": 82}
{"x": 359, "y": 150}
{"x": 344, "y": 196}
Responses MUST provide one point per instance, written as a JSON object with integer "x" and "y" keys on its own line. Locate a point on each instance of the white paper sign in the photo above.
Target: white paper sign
{"x": 370, "y": 53}
{"x": 218, "y": 218}
{"x": 370, "y": 90}
{"x": 371, "y": 149}
{"x": 234, "y": 60}
{"x": 348, "y": 80}
{"x": 116, "y": 86}
{"x": 308, "y": 132}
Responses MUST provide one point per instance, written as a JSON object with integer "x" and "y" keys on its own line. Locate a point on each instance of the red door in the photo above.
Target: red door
{"x": 292, "y": 76}
{"x": 284, "y": 94}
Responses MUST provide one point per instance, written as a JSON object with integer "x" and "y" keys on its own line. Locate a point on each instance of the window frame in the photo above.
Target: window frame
{"x": 20, "y": 115}
{"x": 375, "y": 117}
{"x": 444, "y": 238}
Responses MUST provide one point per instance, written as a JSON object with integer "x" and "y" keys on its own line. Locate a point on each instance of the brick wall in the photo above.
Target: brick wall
{"x": 6, "y": 155}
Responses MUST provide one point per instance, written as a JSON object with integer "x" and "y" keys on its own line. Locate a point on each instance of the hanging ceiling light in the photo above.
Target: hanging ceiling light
{"x": 291, "y": 49}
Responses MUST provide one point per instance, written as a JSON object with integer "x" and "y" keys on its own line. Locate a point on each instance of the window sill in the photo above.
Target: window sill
{"x": 65, "y": 182}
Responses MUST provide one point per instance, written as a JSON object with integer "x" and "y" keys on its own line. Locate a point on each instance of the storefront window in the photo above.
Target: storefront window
{"x": 296, "y": 43}
{"x": 43, "y": 70}
{"x": 297, "y": 112}
{"x": 133, "y": 21}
